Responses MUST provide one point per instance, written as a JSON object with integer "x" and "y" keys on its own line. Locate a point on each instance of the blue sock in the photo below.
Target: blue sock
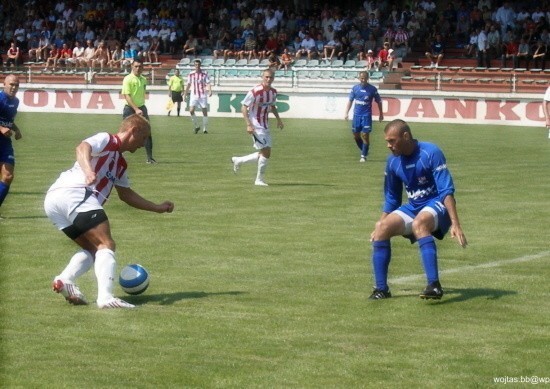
{"x": 365, "y": 149}
{"x": 4, "y": 189}
{"x": 381, "y": 256}
{"x": 428, "y": 253}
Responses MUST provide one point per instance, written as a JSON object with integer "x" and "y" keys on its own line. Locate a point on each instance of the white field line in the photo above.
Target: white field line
{"x": 487, "y": 265}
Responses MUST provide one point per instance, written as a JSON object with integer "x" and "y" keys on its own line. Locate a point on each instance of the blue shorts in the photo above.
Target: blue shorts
{"x": 362, "y": 124}
{"x": 442, "y": 220}
{"x": 6, "y": 151}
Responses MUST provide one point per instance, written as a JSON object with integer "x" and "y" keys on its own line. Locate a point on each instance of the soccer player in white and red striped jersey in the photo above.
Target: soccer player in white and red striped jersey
{"x": 257, "y": 104}
{"x": 74, "y": 203}
{"x": 198, "y": 85}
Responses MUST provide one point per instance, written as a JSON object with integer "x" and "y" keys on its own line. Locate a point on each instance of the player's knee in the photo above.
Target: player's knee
{"x": 382, "y": 230}
{"x": 421, "y": 227}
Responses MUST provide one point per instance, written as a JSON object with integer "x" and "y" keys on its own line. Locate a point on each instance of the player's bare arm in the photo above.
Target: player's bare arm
{"x": 456, "y": 229}
{"x": 84, "y": 158}
{"x": 381, "y": 117}
{"x": 348, "y": 107}
{"x": 249, "y": 127}
{"x": 276, "y": 114}
{"x": 133, "y": 199}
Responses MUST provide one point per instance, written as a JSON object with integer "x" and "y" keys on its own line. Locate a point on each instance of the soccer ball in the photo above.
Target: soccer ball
{"x": 134, "y": 279}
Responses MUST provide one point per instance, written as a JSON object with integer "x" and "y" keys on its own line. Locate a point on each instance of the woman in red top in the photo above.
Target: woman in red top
{"x": 14, "y": 56}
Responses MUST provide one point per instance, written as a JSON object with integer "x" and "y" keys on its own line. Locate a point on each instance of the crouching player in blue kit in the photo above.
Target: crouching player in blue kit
{"x": 363, "y": 94}
{"x": 421, "y": 168}
{"x": 8, "y": 109}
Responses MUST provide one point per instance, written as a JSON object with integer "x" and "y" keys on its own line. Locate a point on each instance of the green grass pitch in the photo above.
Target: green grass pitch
{"x": 267, "y": 287}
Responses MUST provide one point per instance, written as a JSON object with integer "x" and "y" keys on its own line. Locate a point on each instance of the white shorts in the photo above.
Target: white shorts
{"x": 63, "y": 205}
{"x": 199, "y": 102}
{"x": 408, "y": 220}
{"x": 261, "y": 140}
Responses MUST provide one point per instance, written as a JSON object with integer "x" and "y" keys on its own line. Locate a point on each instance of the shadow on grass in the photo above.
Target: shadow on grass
{"x": 460, "y": 295}
{"x": 300, "y": 184}
{"x": 171, "y": 298}
{"x": 24, "y": 217}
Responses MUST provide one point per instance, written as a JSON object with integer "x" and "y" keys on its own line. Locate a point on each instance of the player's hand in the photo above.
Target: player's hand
{"x": 280, "y": 124}
{"x": 18, "y": 135}
{"x": 456, "y": 233}
{"x": 250, "y": 129}
{"x": 89, "y": 178}
{"x": 167, "y": 207}
{"x": 7, "y": 132}
{"x": 346, "y": 118}
{"x": 381, "y": 118}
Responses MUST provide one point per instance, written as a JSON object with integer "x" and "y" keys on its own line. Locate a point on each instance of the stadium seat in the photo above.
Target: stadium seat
{"x": 218, "y": 62}
{"x": 254, "y": 62}
{"x": 313, "y": 74}
{"x": 312, "y": 63}
{"x": 350, "y": 63}
{"x": 206, "y": 62}
{"x": 376, "y": 75}
{"x": 227, "y": 73}
{"x": 300, "y": 63}
{"x": 339, "y": 75}
{"x": 255, "y": 73}
{"x": 184, "y": 61}
{"x": 243, "y": 73}
{"x": 337, "y": 63}
{"x": 361, "y": 64}
{"x": 264, "y": 62}
{"x": 230, "y": 62}
{"x": 242, "y": 62}
{"x": 327, "y": 74}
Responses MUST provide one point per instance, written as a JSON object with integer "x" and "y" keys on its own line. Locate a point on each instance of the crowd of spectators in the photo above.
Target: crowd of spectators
{"x": 109, "y": 34}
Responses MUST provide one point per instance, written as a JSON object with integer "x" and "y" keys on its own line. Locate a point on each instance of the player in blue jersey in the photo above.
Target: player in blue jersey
{"x": 362, "y": 95}
{"x": 8, "y": 109}
{"x": 420, "y": 168}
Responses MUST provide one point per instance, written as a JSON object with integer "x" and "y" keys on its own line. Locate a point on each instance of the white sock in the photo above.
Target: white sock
{"x": 204, "y": 122}
{"x": 262, "y": 165}
{"x": 248, "y": 158}
{"x": 105, "y": 266}
{"x": 194, "y": 120}
{"x": 79, "y": 264}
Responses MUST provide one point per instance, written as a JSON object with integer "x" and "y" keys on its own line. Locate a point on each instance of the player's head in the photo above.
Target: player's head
{"x": 133, "y": 132}
{"x": 11, "y": 85}
{"x": 398, "y": 137}
{"x": 268, "y": 76}
{"x": 197, "y": 64}
{"x": 363, "y": 77}
{"x": 137, "y": 66}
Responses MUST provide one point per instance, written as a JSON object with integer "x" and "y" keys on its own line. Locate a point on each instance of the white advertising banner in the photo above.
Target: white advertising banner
{"x": 413, "y": 106}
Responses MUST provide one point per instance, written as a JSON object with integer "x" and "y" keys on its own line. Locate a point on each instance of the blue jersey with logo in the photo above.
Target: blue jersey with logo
{"x": 362, "y": 96}
{"x": 423, "y": 174}
{"x": 8, "y": 109}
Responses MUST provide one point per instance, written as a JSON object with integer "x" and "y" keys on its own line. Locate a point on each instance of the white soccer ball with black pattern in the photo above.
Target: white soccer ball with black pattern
{"x": 134, "y": 279}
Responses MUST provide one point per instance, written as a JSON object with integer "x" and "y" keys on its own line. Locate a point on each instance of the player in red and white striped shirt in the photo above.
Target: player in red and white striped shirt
{"x": 74, "y": 203}
{"x": 198, "y": 84}
{"x": 256, "y": 106}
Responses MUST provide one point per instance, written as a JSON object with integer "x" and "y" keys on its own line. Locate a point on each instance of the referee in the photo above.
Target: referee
{"x": 175, "y": 90}
{"x": 133, "y": 90}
